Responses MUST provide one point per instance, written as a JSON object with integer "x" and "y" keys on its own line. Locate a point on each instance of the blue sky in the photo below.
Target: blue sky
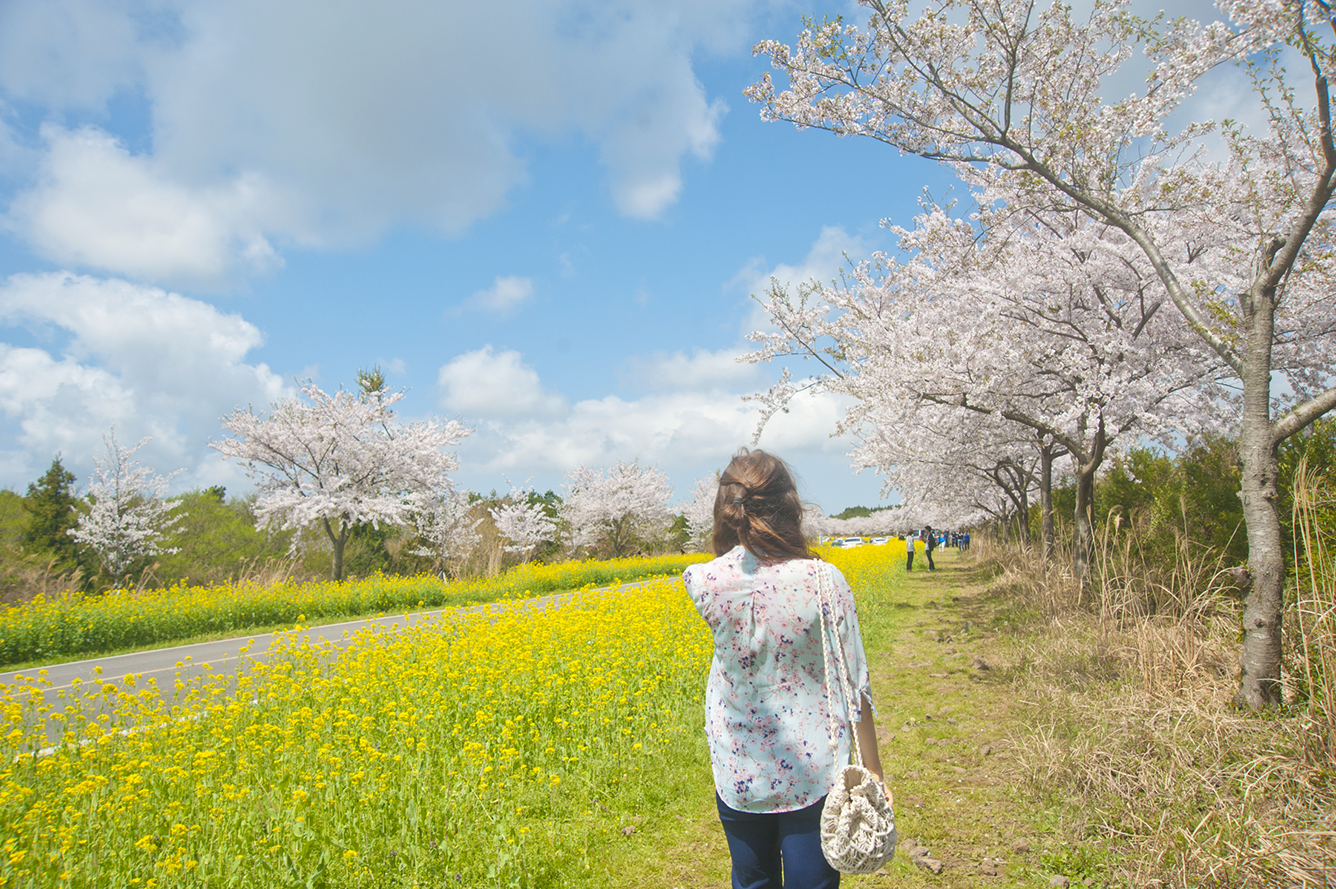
{"x": 542, "y": 217}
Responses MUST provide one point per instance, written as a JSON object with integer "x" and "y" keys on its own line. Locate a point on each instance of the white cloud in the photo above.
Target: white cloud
{"x": 95, "y": 205}
{"x": 685, "y": 434}
{"x": 68, "y": 53}
{"x": 689, "y": 418}
{"x": 688, "y": 430}
{"x": 702, "y": 370}
{"x": 504, "y": 296}
{"x": 487, "y": 384}
{"x": 301, "y": 121}
{"x": 152, "y": 362}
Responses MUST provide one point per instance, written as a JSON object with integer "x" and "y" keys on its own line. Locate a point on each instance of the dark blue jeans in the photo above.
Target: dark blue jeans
{"x": 777, "y": 850}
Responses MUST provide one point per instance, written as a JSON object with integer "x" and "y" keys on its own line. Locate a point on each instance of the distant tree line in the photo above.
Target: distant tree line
{"x": 342, "y": 489}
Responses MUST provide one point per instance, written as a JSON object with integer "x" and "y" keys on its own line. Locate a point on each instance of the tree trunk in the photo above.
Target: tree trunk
{"x": 338, "y": 542}
{"x": 1262, "y": 612}
{"x": 1083, "y": 534}
{"x": 1046, "y": 499}
{"x": 1023, "y": 515}
{"x": 617, "y": 533}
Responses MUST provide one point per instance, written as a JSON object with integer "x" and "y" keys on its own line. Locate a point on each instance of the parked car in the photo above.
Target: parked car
{"x": 878, "y": 541}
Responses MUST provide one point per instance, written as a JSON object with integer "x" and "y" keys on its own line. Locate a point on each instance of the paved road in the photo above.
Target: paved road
{"x": 222, "y": 656}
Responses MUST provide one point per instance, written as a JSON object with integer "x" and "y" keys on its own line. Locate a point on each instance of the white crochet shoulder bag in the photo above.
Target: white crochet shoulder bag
{"x": 858, "y": 821}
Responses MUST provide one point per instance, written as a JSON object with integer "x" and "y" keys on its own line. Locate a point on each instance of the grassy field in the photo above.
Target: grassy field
{"x": 565, "y": 750}
{"x": 945, "y": 726}
{"x": 1024, "y": 745}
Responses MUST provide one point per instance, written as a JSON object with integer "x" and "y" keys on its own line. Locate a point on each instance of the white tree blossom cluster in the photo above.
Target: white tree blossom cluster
{"x": 127, "y": 518}
{"x": 1118, "y": 274}
{"x": 448, "y": 529}
{"x": 699, "y": 513}
{"x": 340, "y": 460}
{"x": 882, "y": 523}
{"x": 523, "y": 520}
{"x": 619, "y": 506}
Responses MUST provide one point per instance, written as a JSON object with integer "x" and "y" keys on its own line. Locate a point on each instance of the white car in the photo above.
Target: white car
{"x": 878, "y": 541}
{"x": 852, "y": 541}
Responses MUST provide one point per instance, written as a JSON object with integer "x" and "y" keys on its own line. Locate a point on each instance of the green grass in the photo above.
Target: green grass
{"x": 961, "y": 804}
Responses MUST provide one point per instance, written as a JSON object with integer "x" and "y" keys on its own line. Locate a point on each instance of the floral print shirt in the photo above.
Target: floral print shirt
{"x": 765, "y": 704}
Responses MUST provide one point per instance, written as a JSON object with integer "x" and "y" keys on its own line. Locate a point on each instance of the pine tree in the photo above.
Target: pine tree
{"x": 51, "y": 513}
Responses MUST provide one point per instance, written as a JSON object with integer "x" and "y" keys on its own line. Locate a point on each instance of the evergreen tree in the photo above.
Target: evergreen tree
{"x": 50, "y": 505}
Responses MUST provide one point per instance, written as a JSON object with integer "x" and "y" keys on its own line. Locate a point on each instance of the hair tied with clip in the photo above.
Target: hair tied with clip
{"x": 757, "y": 506}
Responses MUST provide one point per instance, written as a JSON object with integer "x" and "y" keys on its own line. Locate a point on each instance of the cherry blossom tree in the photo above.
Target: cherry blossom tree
{"x": 127, "y": 518}
{"x": 699, "y": 512}
{"x": 954, "y": 468}
{"x": 817, "y": 524}
{"x": 1046, "y": 330}
{"x": 620, "y": 506}
{"x": 448, "y": 528}
{"x": 1007, "y": 89}
{"x": 880, "y": 522}
{"x": 336, "y": 461}
{"x": 523, "y": 520}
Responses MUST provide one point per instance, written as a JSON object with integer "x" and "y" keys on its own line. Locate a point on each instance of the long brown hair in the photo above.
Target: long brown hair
{"x": 758, "y": 507}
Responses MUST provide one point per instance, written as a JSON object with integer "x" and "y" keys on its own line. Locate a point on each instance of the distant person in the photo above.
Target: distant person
{"x": 929, "y": 544}
{"x": 766, "y": 709}
{"x": 909, "y": 551}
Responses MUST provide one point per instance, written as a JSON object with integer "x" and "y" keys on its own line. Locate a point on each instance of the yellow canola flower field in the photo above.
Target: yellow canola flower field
{"x": 56, "y": 628}
{"x": 484, "y": 749}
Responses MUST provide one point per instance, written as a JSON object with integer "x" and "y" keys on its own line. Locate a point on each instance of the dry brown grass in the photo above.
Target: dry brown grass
{"x": 25, "y": 577}
{"x": 1315, "y": 610}
{"x": 1129, "y": 682}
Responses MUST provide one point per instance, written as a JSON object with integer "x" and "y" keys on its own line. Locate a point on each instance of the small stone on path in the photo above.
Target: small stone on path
{"x": 988, "y": 868}
{"x": 1060, "y": 881}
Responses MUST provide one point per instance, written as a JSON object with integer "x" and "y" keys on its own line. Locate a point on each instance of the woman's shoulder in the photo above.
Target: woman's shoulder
{"x": 804, "y": 569}
{"x": 815, "y": 567}
{"x": 728, "y": 563}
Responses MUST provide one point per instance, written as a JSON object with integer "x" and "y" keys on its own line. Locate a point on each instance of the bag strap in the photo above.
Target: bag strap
{"x": 830, "y": 624}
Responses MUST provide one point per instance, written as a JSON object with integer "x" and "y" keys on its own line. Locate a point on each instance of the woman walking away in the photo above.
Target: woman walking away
{"x": 766, "y": 706}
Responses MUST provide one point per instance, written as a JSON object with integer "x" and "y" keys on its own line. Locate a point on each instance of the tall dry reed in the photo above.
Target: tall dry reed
{"x": 1128, "y": 681}
{"x": 1315, "y": 607}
